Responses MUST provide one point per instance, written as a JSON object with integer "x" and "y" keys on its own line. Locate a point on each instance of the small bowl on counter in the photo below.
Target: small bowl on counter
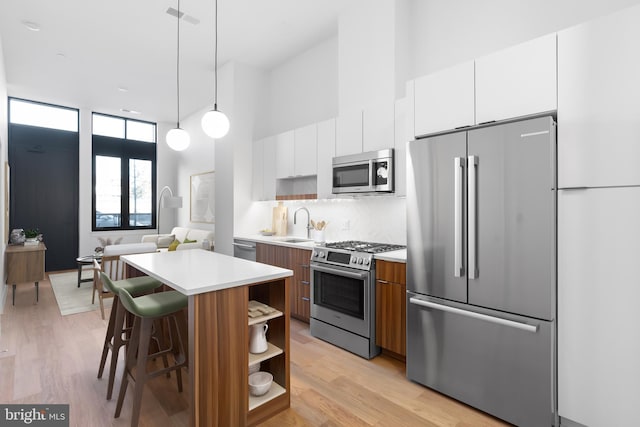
{"x": 260, "y": 383}
{"x": 267, "y": 232}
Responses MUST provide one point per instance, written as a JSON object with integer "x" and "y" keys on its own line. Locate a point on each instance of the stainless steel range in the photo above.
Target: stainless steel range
{"x": 343, "y": 297}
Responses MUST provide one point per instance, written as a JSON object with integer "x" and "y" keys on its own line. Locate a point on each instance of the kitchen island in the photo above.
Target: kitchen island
{"x": 219, "y": 288}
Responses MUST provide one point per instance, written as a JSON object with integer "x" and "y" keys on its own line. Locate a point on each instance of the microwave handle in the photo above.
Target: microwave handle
{"x": 372, "y": 173}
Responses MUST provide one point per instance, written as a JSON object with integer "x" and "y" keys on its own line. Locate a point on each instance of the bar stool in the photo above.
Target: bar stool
{"x": 116, "y": 328}
{"x": 147, "y": 309}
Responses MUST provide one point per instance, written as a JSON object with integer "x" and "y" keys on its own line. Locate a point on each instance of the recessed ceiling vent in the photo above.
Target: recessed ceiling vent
{"x": 187, "y": 18}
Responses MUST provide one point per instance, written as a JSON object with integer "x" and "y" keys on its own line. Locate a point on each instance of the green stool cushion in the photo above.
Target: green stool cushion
{"x": 154, "y": 305}
{"x": 133, "y": 285}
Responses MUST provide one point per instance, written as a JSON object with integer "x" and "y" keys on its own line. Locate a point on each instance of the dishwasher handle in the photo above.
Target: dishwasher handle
{"x": 244, "y": 245}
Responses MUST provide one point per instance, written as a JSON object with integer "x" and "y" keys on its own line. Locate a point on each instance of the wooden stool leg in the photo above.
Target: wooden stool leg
{"x": 141, "y": 369}
{"x": 14, "y": 295}
{"x": 107, "y": 343}
{"x": 37, "y": 296}
{"x": 118, "y": 342}
{"x": 130, "y": 362}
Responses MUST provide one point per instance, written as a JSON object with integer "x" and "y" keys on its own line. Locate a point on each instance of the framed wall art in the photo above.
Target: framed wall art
{"x": 202, "y": 207}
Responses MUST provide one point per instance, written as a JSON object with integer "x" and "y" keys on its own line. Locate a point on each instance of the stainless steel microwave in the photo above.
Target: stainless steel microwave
{"x": 369, "y": 172}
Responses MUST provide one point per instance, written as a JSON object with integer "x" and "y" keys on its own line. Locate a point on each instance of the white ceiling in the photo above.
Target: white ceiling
{"x": 87, "y": 49}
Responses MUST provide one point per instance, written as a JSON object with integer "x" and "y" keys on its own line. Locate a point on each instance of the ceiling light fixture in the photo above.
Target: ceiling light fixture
{"x": 215, "y": 123}
{"x": 177, "y": 138}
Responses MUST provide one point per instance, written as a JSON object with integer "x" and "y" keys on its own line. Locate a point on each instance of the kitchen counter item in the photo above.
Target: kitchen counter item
{"x": 279, "y": 220}
{"x": 260, "y": 383}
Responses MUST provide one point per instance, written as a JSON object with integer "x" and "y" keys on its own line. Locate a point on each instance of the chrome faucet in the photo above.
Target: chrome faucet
{"x": 308, "y": 219}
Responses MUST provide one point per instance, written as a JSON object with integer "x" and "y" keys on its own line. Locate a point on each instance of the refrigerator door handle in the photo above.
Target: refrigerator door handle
{"x": 458, "y": 244}
{"x": 472, "y": 177}
{"x": 474, "y": 315}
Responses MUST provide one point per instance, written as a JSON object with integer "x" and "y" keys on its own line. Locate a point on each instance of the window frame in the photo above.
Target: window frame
{"x": 126, "y": 150}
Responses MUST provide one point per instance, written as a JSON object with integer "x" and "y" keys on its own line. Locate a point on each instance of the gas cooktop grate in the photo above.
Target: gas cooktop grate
{"x": 359, "y": 246}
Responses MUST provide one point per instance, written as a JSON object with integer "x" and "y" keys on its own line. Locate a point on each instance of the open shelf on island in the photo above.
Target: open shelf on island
{"x": 263, "y": 318}
{"x": 275, "y": 391}
{"x": 272, "y": 351}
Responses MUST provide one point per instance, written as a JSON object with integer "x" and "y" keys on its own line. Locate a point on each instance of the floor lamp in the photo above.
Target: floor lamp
{"x": 171, "y": 201}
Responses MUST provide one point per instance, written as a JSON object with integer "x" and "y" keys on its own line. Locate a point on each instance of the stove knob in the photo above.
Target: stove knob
{"x": 366, "y": 261}
{"x": 354, "y": 260}
{"x": 321, "y": 254}
{"x": 359, "y": 260}
{"x": 315, "y": 254}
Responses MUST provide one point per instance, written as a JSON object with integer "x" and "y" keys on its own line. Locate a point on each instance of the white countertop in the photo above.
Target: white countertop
{"x": 394, "y": 256}
{"x": 197, "y": 271}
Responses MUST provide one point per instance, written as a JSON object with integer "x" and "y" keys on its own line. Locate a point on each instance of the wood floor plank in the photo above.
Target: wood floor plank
{"x": 54, "y": 359}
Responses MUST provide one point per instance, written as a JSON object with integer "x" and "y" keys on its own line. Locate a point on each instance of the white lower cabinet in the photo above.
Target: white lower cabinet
{"x": 598, "y": 314}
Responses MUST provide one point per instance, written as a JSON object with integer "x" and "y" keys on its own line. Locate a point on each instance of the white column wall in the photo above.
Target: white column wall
{"x": 3, "y": 159}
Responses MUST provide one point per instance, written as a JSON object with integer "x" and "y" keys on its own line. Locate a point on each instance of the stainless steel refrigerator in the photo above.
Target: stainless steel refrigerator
{"x": 481, "y": 268}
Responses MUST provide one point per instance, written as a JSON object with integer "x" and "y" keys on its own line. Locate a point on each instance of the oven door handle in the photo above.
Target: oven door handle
{"x": 341, "y": 272}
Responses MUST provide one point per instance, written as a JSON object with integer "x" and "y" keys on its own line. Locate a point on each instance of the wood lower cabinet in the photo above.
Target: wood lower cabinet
{"x": 296, "y": 260}
{"x": 391, "y": 307}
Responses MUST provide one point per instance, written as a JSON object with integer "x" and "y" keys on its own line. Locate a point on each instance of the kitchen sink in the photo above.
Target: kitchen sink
{"x": 295, "y": 240}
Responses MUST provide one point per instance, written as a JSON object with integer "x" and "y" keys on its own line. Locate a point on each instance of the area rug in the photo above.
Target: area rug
{"x": 70, "y": 298}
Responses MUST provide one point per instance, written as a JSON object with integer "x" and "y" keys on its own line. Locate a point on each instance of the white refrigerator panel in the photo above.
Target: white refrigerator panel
{"x": 598, "y": 314}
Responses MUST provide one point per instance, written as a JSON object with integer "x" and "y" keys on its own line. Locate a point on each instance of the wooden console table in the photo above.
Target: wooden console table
{"x": 25, "y": 264}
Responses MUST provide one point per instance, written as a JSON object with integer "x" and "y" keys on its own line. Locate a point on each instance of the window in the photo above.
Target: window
{"x": 124, "y": 173}
{"x": 31, "y": 113}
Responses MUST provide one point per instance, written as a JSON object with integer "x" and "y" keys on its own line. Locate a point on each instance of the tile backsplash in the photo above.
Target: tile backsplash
{"x": 375, "y": 219}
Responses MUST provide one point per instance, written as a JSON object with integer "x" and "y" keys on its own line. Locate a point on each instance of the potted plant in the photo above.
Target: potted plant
{"x": 31, "y": 236}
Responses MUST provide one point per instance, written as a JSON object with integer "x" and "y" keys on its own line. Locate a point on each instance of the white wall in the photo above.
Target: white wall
{"x": 447, "y": 33}
{"x": 366, "y": 55}
{"x": 301, "y": 91}
{"x": 3, "y": 159}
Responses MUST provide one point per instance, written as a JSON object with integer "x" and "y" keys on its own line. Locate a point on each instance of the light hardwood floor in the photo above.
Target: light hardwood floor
{"x": 48, "y": 358}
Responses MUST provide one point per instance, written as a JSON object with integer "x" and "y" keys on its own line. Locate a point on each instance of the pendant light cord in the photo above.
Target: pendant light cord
{"x": 215, "y": 60}
{"x": 178, "y": 69}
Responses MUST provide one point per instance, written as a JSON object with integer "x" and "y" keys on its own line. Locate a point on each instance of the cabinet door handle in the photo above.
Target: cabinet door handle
{"x": 382, "y": 281}
{"x": 305, "y": 299}
{"x": 304, "y": 282}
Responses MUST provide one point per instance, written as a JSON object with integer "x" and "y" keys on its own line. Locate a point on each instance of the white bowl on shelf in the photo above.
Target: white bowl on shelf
{"x": 260, "y": 383}
{"x": 254, "y": 368}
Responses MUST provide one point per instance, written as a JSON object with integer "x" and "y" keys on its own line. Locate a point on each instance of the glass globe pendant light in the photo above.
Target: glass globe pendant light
{"x": 215, "y": 123}
{"x": 178, "y": 139}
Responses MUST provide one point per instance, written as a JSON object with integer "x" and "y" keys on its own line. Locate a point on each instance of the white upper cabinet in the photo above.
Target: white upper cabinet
{"x": 378, "y": 127}
{"x": 445, "y": 99}
{"x": 305, "y": 150}
{"x": 264, "y": 169}
{"x": 284, "y": 154}
{"x": 517, "y": 81}
{"x": 326, "y": 152}
{"x": 257, "y": 177}
{"x": 269, "y": 171}
{"x": 403, "y": 134}
{"x": 349, "y": 133}
{"x": 599, "y": 102}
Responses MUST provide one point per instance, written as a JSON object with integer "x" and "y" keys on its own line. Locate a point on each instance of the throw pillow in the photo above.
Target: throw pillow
{"x": 174, "y": 245}
{"x": 189, "y": 240}
{"x": 165, "y": 241}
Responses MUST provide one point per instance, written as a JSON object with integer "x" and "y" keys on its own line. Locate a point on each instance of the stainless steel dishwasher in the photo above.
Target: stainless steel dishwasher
{"x": 245, "y": 249}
